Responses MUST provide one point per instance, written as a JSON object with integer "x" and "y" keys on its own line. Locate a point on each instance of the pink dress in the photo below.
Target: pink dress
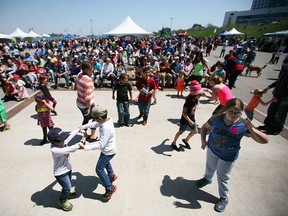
{"x": 180, "y": 83}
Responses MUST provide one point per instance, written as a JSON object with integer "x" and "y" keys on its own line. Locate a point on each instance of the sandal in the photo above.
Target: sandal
{"x": 92, "y": 139}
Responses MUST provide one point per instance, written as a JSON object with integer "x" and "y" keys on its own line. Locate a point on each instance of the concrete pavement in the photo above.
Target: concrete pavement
{"x": 152, "y": 179}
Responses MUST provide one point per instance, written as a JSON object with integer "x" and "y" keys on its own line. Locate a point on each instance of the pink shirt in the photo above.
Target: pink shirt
{"x": 224, "y": 95}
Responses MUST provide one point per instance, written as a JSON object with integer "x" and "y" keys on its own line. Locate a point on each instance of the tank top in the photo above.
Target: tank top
{"x": 224, "y": 95}
{"x": 198, "y": 69}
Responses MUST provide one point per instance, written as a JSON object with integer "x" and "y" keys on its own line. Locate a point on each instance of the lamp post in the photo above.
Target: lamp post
{"x": 91, "y": 28}
{"x": 171, "y": 24}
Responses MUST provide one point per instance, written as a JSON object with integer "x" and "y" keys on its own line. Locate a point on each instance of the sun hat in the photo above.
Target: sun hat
{"x": 57, "y": 134}
{"x": 98, "y": 111}
{"x": 196, "y": 89}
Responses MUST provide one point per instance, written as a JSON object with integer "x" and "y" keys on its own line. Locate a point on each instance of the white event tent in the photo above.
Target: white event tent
{"x": 33, "y": 34}
{"x": 46, "y": 35}
{"x": 233, "y": 31}
{"x": 277, "y": 34}
{"x": 128, "y": 28}
{"x": 5, "y": 36}
{"x": 18, "y": 33}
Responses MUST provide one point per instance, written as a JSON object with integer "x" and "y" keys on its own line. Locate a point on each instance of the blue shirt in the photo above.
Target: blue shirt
{"x": 224, "y": 140}
{"x": 176, "y": 67}
{"x": 219, "y": 72}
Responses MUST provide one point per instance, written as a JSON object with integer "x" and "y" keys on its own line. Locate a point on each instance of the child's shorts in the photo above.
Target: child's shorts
{"x": 183, "y": 127}
{"x": 249, "y": 114}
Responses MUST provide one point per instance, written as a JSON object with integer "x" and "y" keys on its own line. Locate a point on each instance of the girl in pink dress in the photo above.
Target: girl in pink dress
{"x": 180, "y": 83}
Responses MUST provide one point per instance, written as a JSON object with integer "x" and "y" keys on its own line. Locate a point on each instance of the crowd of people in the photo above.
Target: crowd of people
{"x": 158, "y": 63}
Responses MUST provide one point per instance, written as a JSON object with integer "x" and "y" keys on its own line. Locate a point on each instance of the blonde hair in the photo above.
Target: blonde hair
{"x": 216, "y": 79}
{"x": 257, "y": 92}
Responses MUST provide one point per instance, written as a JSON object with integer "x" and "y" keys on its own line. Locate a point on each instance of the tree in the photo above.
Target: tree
{"x": 196, "y": 27}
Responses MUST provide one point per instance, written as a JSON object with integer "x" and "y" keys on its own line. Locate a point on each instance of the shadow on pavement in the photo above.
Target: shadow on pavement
{"x": 175, "y": 96}
{"x": 162, "y": 148}
{"x": 186, "y": 190}
{"x": 84, "y": 185}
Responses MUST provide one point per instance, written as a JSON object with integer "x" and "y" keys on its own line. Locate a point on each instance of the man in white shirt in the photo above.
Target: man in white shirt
{"x": 107, "y": 72}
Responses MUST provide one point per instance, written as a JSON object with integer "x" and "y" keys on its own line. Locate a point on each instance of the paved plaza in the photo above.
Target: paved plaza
{"x": 152, "y": 178}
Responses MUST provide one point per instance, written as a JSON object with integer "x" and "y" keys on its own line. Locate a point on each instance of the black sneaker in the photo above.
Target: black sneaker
{"x": 263, "y": 127}
{"x": 272, "y": 132}
{"x": 221, "y": 205}
{"x": 175, "y": 147}
{"x": 140, "y": 116}
{"x": 108, "y": 195}
{"x": 186, "y": 144}
{"x": 44, "y": 142}
{"x": 54, "y": 112}
{"x": 202, "y": 182}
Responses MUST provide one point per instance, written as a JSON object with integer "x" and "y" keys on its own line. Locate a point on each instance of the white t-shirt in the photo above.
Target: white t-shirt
{"x": 107, "y": 142}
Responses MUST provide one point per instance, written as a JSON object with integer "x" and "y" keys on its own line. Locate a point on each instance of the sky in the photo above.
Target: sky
{"x": 74, "y": 16}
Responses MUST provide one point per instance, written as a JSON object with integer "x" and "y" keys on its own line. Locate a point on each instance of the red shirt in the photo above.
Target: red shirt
{"x": 148, "y": 85}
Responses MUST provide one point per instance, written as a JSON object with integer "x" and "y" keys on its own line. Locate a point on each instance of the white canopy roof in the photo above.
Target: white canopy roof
{"x": 18, "y": 33}
{"x": 233, "y": 31}
{"x": 128, "y": 27}
{"x": 279, "y": 34}
{"x": 46, "y": 35}
{"x": 4, "y": 36}
{"x": 33, "y": 34}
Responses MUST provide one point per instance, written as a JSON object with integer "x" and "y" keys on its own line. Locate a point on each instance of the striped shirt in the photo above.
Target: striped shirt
{"x": 85, "y": 91}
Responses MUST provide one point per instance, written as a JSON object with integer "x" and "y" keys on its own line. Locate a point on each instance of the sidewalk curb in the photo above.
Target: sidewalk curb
{"x": 260, "y": 116}
{"x": 14, "y": 110}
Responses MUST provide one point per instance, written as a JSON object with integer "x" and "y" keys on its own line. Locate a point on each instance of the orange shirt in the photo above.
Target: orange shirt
{"x": 253, "y": 103}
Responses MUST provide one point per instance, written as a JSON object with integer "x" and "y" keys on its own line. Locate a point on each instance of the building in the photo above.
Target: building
{"x": 262, "y": 11}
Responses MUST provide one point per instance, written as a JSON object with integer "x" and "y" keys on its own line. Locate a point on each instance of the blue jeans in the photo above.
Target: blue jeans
{"x": 66, "y": 77}
{"x": 144, "y": 107}
{"x": 104, "y": 163}
{"x": 65, "y": 181}
{"x": 123, "y": 112}
{"x": 52, "y": 75}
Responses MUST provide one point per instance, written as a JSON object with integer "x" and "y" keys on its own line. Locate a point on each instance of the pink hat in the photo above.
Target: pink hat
{"x": 16, "y": 76}
{"x": 194, "y": 82}
{"x": 196, "y": 89}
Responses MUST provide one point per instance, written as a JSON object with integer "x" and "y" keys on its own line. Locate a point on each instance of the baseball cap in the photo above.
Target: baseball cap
{"x": 98, "y": 111}
{"x": 57, "y": 134}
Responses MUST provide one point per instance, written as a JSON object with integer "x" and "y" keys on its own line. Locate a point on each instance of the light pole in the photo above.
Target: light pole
{"x": 91, "y": 28}
{"x": 171, "y": 24}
